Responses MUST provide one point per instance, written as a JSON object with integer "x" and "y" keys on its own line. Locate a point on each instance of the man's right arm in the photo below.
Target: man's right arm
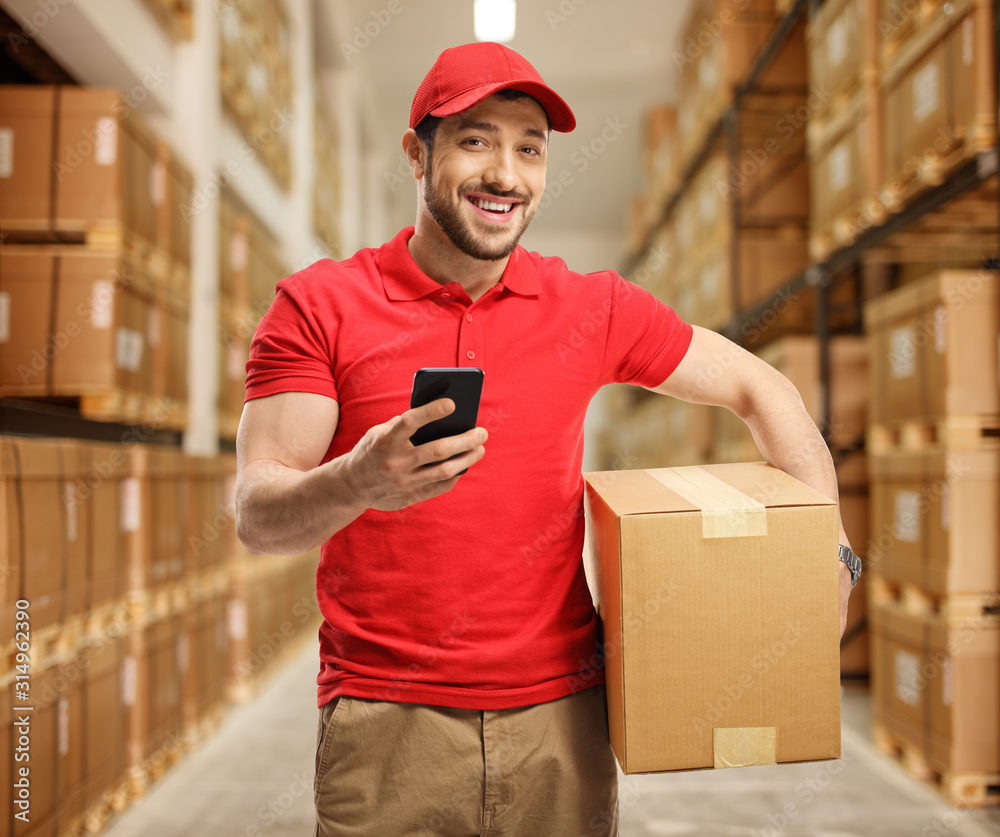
{"x": 288, "y": 503}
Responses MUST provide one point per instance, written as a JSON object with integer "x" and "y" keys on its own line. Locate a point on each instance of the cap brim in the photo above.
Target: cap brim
{"x": 560, "y": 116}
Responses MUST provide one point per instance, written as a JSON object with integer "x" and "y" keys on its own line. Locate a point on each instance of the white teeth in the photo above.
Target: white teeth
{"x": 496, "y": 207}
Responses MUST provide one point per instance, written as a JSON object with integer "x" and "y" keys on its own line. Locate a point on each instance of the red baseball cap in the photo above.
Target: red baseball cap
{"x": 465, "y": 75}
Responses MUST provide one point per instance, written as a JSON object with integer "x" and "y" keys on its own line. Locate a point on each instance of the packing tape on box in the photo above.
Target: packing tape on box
{"x": 743, "y": 746}
{"x": 725, "y": 511}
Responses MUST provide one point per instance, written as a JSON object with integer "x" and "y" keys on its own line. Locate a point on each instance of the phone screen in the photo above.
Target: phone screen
{"x": 463, "y": 385}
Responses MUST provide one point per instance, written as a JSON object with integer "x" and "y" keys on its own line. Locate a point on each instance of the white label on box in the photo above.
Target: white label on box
{"x": 130, "y": 499}
{"x": 707, "y": 74}
{"x": 902, "y": 353}
{"x": 946, "y": 506}
{"x": 237, "y": 620}
{"x": 101, "y": 303}
{"x": 908, "y": 516}
{"x": 236, "y": 360}
{"x": 707, "y": 201}
{"x": 968, "y": 42}
{"x": 128, "y": 349}
{"x": 836, "y": 42}
{"x": 106, "y": 147}
{"x": 840, "y": 166}
{"x": 238, "y": 251}
{"x": 946, "y": 681}
{"x": 940, "y": 329}
{"x": 158, "y": 183}
{"x": 128, "y": 681}
{"x": 908, "y": 678}
{"x": 257, "y": 80}
{"x": 4, "y": 316}
{"x": 153, "y": 328}
{"x": 6, "y": 152}
{"x": 63, "y": 711}
{"x": 69, "y": 500}
{"x": 183, "y": 653}
{"x": 230, "y": 23}
{"x": 925, "y": 92}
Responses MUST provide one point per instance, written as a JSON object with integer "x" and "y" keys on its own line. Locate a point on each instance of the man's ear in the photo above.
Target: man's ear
{"x": 416, "y": 153}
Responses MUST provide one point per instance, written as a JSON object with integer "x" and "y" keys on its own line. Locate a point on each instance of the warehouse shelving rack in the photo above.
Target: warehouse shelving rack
{"x": 830, "y": 273}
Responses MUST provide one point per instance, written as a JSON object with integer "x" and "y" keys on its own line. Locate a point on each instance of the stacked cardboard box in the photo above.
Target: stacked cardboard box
{"x": 717, "y": 47}
{"x": 934, "y": 548}
{"x": 127, "y": 557}
{"x": 256, "y": 79}
{"x": 845, "y": 175}
{"x": 103, "y": 316}
{"x": 250, "y": 266}
{"x": 938, "y": 92}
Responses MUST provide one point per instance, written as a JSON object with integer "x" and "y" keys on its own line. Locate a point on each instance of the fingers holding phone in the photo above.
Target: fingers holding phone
{"x": 421, "y": 453}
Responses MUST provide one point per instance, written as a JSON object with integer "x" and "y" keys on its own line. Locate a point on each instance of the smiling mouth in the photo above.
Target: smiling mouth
{"x": 499, "y": 207}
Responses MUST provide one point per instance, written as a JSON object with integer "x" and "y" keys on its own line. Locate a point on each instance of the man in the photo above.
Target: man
{"x": 457, "y": 618}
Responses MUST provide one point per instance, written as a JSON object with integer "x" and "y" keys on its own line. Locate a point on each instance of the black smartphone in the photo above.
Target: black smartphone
{"x": 463, "y": 385}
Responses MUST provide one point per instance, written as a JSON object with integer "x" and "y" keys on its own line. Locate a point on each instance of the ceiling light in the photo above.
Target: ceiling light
{"x": 494, "y": 20}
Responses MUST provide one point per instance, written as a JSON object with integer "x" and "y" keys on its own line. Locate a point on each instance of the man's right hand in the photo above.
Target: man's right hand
{"x": 387, "y": 472}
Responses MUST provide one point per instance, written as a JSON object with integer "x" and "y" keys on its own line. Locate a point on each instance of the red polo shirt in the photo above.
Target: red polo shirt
{"x": 476, "y": 599}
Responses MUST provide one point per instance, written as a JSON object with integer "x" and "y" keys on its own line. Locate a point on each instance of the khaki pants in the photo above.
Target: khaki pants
{"x": 385, "y": 769}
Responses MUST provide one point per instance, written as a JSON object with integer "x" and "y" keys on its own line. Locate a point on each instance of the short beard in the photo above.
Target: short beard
{"x": 461, "y": 235}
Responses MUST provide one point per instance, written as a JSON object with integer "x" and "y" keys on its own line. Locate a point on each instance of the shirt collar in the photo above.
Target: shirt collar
{"x": 403, "y": 280}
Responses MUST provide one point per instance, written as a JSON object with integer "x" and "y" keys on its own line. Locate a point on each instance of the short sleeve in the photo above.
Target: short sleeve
{"x": 646, "y": 338}
{"x": 290, "y": 351}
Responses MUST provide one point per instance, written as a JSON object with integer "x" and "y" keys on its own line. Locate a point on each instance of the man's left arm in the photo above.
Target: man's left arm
{"x": 717, "y": 371}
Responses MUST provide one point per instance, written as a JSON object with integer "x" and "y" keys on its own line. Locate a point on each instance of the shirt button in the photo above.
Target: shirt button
{"x": 470, "y": 354}
{"x": 446, "y": 295}
{"x": 468, "y": 318}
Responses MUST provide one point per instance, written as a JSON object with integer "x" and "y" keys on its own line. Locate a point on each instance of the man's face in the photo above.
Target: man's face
{"x": 487, "y": 175}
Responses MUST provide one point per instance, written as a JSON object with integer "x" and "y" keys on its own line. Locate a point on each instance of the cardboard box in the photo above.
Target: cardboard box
{"x": 109, "y": 685}
{"x": 835, "y": 37}
{"x": 939, "y": 93}
{"x": 155, "y": 513}
{"x": 27, "y": 345}
{"x": 102, "y": 307}
{"x": 26, "y": 130}
{"x": 934, "y": 347}
{"x": 936, "y": 687}
{"x": 718, "y": 590}
{"x": 934, "y": 522}
{"x": 102, "y": 492}
{"x": 35, "y": 542}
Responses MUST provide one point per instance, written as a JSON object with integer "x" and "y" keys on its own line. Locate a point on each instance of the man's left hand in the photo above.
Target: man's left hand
{"x": 845, "y": 593}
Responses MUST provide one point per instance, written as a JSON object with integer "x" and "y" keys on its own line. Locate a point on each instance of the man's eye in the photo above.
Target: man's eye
{"x": 474, "y": 139}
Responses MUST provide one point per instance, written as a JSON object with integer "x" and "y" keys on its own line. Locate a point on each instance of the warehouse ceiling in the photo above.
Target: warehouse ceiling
{"x": 609, "y": 59}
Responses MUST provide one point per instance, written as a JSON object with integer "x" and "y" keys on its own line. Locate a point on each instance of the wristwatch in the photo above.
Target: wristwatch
{"x": 853, "y": 563}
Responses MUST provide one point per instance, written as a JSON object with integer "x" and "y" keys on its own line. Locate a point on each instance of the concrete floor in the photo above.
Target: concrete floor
{"x": 254, "y": 779}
